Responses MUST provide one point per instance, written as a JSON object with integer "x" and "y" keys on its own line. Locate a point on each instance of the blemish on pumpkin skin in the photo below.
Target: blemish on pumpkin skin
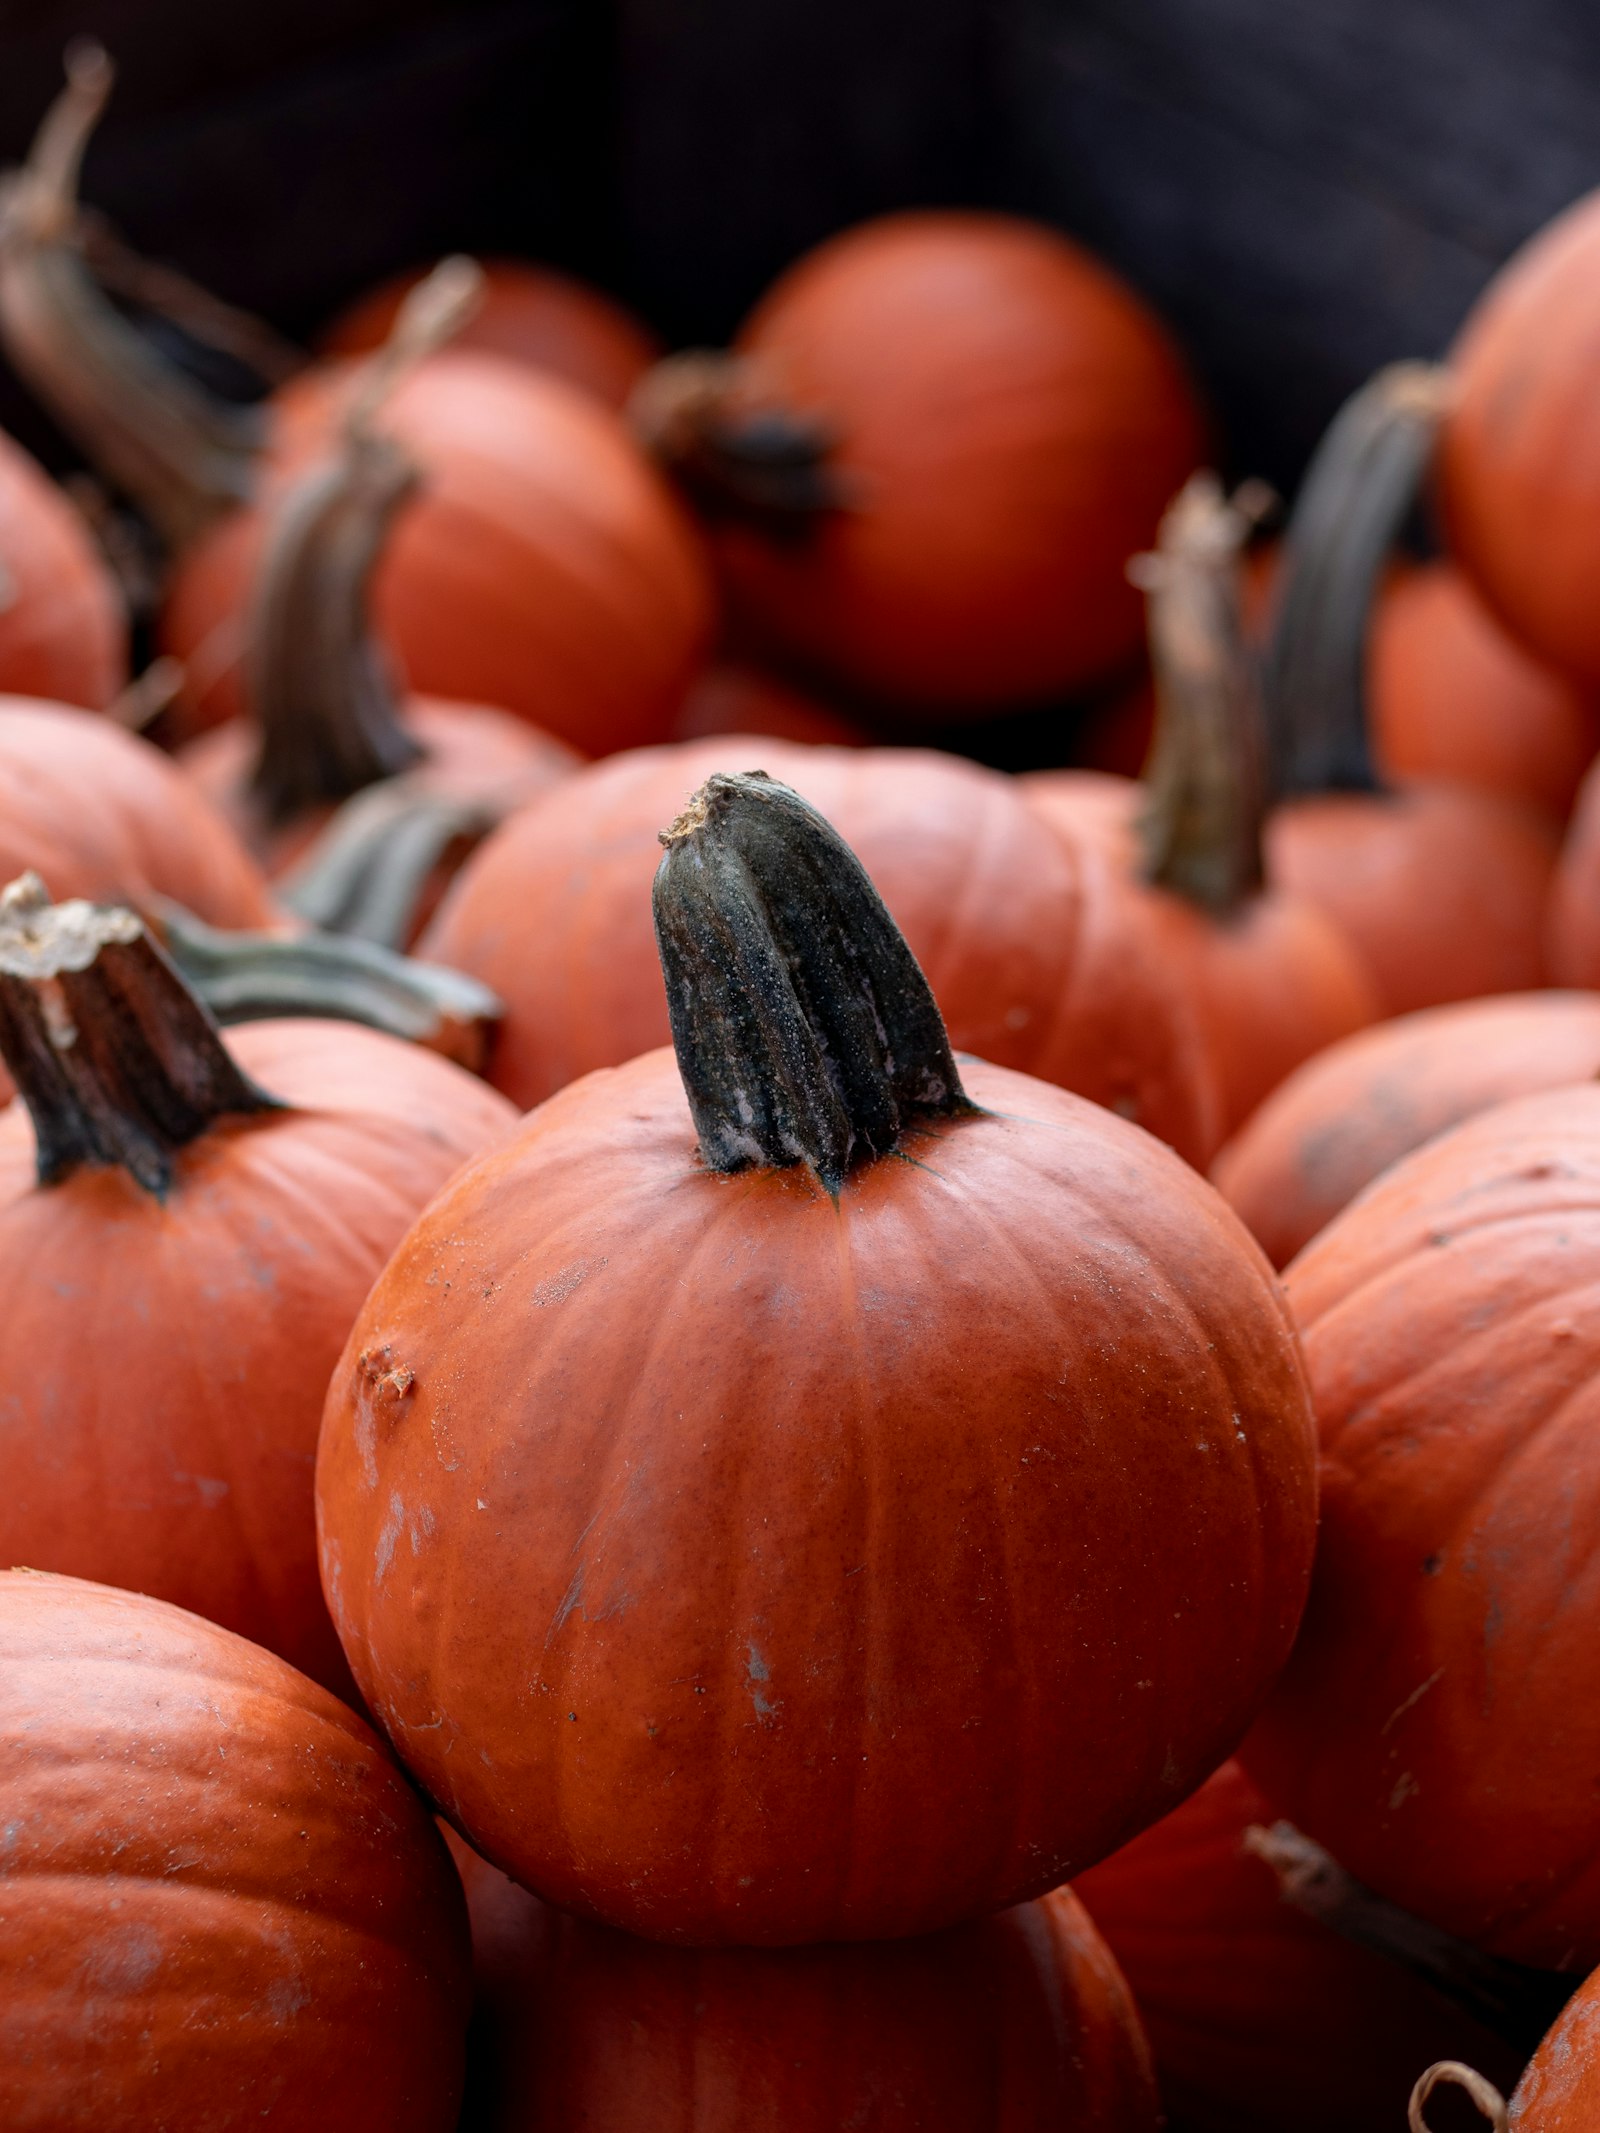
{"x": 756, "y": 1674}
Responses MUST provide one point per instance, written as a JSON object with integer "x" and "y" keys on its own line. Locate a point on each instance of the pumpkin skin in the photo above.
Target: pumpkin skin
{"x": 1272, "y": 983}
{"x": 63, "y": 633}
{"x": 1518, "y": 470}
{"x": 100, "y": 813}
{"x": 528, "y": 314}
{"x": 1018, "y": 2021}
{"x": 731, "y": 698}
{"x": 719, "y": 1717}
{"x": 164, "y": 1370}
{"x": 544, "y": 567}
{"x": 219, "y": 1899}
{"x": 1454, "y": 697}
{"x": 1435, "y": 1728}
{"x": 1560, "y": 2092}
{"x": 1440, "y": 890}
{"x": 992, "y": 904}
{"x": 1574, "y": 913}
{"x": 1258, "y": 2016}
{"x": 1361, "y": 1105}
{"x": 1014, "y": 420}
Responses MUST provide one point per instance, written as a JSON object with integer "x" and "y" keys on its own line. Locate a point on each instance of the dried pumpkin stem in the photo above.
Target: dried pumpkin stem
{"x": 727, "y": 438}
{"x": 366, "y": 873}
{"x": 183, "y": 455}
{"x": 1451, "y": 2073}
{"x": 116, "y": 1059}
{"x": 318, "y": 682}
{"x": 805, "y": 1031}
{"x": 1515, "y": 2001}
{"x": 1359, "y": 489}
{"x": 1205, "y": 781}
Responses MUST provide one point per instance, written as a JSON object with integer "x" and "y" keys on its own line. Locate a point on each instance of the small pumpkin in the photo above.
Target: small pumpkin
{"x": 529, "y": 314}
{"x": 1358, "y": 1107}
{"x": 1438, "y": 1727}
{"x": 938, "y": 440}
{"x": 725, "y": 1428}
{"x": 189, "y": 1227}
{"x": 1018, "y": 2021}
{"x": 63, "y": 632}
{"x": 219, "y": 1899}
{"x": 1559, "y": 2093}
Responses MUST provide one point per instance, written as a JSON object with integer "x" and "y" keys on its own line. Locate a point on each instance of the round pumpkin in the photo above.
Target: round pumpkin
{"x": 1358, "y": 1107}
{"x": 220, "y": 1902}
{"x": 646, "y": 1471}
{"x": 1560, "y": 2092}
{"x": 1519, "y": 463}
{"x": 185, "y": 1269}
{"x": 994, "y": 423}
{"x": 63, "y": 633}
{"x": 1018, "y": 2021}
{"x": 529, "y": 314}
{"x": 552, "y": 913}
{"x": 1438, "y": 1727}
{"x": 1259, "y": 2016}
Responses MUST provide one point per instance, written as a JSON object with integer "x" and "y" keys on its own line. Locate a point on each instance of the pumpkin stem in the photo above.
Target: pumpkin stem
{"x": 805, "y": 1031}
{"x": 718, "y": 427}
{"x": 319, "y": 684}
{"x": 251, "y": 977}
{"x": 116, "y": 1059}
{"x": 1451, "y": 2071}
{"x": 1361, "y": 484}
{"x": 365, "y": 874}
{"x": 185, "y": 456}
{"x": 1205, "y": 781}
{"x": 1515, "y": 2001}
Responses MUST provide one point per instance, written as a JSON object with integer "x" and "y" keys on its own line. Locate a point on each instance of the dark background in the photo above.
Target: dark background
{"x": 1305, "y": 187}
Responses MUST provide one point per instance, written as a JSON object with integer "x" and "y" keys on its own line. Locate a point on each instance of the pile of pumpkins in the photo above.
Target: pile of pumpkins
{"x": 658, "y": 1472}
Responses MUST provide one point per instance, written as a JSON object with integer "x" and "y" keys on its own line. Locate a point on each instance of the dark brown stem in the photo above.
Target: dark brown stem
{"x": 366, "y": 873}
{"x": 1206, "y": 778}
{"x": 1451, "y": 2073}
{"x": 733, "y": 446}
{"x": 805, "y": 1031}
{"x": 251, "y": 977}
{"x": 116, "y": 1059}
{"x": 184, "y": 456}
{"x": 1356, "y": 496}
{"x": 1516, "y": 2002}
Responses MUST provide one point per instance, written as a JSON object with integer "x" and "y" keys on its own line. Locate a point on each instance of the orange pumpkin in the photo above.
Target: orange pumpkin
{"x": 1573, "y": 919}
{"x": 1361, "y": 1105}
{"x": 939, "y": 440}
{"x": 1438, "y": 1727}
{"x": 646, "y": 1470}
{"x": 530, "y": 314}
{"x": 63, "y": 633}
{"x": 220, "y": 1902}
{"x": 186, "y": 1256}
{"x": 734, "y": 698}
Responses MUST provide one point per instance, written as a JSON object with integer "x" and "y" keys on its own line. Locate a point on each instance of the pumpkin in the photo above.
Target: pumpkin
{"x": 1007, "y": 920}
{"x": 1000, "y": 1361}
{"x": 1574, "y": 914}
{"x": 1438, "y": 1727}
{"x": 1259, "y": 2015}
{"x": 1346, "y": 1115}
{"x": 190, "y": 1227}
{"x": 1518, "y": 476}
{"x": 63, "y": 633}
{"x": 734, "y": 698}
{"x": 530, "y": 314}
{"x": 546, "y": 568}
{"x": 1560, "y": 2092}
{"x": 1020, "y": 2020}
{"x": 1272, "y": 980}
{"x": 939, "y": 439}
{"x": 219, "y": 1900}
{"x": 1440, "y": 888}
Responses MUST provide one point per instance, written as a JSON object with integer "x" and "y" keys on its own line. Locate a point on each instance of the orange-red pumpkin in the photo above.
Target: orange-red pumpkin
{"x": 1560, "y": 2092}
{"x": 732, "y": 697}
{"x": 1573, "y": 940}
{"x": 552, "y": 913}
{"x": 1020, "y": 2021}
{"x": 646, "y": 1473}
{"x": 1364, "y": 1103}
{"x": 941, "y": 438}
{"x": 185, "y": 1259}
{"x": 530, "y": 314}
{"x": 1259, "y": 2016}
{"x": 220, "y": 1902}
{"x": 1438, "y": 1727}
{"x": 63, "y": 633}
